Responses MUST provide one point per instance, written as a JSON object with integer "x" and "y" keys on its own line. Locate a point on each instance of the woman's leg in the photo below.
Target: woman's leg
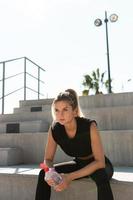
{"x": 43, "y": 190}
{"x": 101, "y": 178}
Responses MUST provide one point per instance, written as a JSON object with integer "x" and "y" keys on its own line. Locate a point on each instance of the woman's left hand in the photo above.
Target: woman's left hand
{"x": 64, "y": 184}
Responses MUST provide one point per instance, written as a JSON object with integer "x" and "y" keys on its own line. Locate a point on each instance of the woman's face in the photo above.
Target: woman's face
{"x": 64, "y": 112}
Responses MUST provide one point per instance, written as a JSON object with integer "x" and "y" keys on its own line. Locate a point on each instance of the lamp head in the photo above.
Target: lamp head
{"x": 98, "y": 22}
{"x": 113, "y": 18}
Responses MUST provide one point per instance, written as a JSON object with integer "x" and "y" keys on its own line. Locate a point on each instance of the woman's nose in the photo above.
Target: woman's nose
{"x": 61, "y": 113}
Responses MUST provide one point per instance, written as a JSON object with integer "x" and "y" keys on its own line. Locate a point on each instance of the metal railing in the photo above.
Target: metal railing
{"x": 25, "y": 74}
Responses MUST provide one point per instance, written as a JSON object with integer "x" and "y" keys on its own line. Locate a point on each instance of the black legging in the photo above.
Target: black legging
{"x": 101, "y": 178}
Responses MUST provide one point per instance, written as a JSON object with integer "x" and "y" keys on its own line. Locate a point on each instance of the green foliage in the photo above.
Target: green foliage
{"x": 95, "y": 82}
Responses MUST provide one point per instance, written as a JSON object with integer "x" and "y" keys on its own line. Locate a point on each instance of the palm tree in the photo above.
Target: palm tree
{"x": 87, "y": 83}
{"x": 95, "y": 81}
{"x": 98, "y": 80}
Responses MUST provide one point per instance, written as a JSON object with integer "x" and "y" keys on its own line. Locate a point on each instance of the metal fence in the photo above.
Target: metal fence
{"x": 25, "y": 75}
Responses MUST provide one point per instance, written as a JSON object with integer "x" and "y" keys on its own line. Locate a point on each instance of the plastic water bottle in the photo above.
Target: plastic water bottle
{"x": 50, "y": 173}
{"x": 55, "y": 176}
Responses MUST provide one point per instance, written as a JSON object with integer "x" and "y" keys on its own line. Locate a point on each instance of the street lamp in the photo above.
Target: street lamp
{"x": 98, "y": 22}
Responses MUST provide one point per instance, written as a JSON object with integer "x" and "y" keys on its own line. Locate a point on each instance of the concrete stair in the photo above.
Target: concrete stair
{"x": 107, "y": 100}
{"x": 10, "y": 156}
{"x": 108, "y": 118}
{"x": 24, "y": 126}
{"x": 19, "y": 182}
{"x": 114, "y": 115}
{"x": 112, "y": 118}
{"x": 30, "y": 108}
{"x": 118, "y": 146}
{"x": 31, "y": 116}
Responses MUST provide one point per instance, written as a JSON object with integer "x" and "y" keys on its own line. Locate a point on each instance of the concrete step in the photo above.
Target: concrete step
{"x": 108, "y": 118}
{"x": 32, "y": 145}
{"x": 91, "y": 101}
{"x": 106, "y": 100}
{"x": 25, "y": 116}
{"x": 19, "y": 182}
{"x": 118, "y": 146}
{"x": 24, "y": 126}
{"x": 42, "y": 108}
{"x": 35, "y": 102}
{"x": 10, "y": 156}
{"x": 112, "y": 118}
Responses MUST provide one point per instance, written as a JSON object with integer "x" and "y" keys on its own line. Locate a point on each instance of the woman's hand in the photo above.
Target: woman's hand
{"x": 64, "y": 184}
{"x": 50, "y": 182}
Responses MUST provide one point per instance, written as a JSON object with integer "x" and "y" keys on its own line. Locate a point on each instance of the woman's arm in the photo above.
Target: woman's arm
{"x": 50, "y": 149}
{"x": 98, "y": 153}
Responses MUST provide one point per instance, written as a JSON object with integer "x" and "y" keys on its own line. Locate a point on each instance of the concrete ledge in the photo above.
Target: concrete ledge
{"x": 108, "y": 118}
{"x": 28, "y": 108}
{"x": 27, "y": 116}
{"x": 19, "y": 182}
{"x": 26, "y": 126}
{"x": 35, "y": 102}
{"x": 91, "y": 101}
{"x": 106, "y": 100}
{"x": 33, "y": 126}
{"x": 112, "y": 118}
{"x": 118, "y": 146}
{"x": 11, "y": 156}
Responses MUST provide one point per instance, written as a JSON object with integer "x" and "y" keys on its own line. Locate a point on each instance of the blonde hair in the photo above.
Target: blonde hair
{"x": 71, "y": 97}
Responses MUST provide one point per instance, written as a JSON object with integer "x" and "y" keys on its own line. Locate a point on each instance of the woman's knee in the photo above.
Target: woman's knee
{"x": 41, "y": 174}
{"x": 100, "y": 176}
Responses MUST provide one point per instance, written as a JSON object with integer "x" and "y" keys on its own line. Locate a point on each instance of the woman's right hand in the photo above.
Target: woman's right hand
{"x": 50, "y": 182}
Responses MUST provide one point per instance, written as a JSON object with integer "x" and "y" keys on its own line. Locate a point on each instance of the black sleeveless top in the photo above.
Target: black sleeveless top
{"x": 80, "y": 144}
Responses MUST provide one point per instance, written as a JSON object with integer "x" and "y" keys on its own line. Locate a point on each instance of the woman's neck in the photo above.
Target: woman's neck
{"x": 71, "y": 128}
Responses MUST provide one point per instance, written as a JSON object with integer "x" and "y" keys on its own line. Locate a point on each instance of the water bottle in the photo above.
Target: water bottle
{"x": 50, "y": 173}
{"x": 55, "y": 176}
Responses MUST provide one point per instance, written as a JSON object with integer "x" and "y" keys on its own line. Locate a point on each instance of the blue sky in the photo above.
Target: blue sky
{"x": 61, "y": 37}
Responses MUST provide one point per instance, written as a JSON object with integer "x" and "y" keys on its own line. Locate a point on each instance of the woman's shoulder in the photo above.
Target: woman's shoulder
{"x": 84, "y": 120}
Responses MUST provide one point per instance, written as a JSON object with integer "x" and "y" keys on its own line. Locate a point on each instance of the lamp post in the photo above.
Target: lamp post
{"x": 98, "y": 22}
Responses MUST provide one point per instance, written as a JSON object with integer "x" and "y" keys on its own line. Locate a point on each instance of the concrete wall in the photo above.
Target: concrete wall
{"x": 32, "y": 145}
{"x": 108, "y": 118}
{"x": 118, "y": 146}
{"x": 118, "y": 120}
{"x": 107, "y": 100}
{"x": 91, "y": 101}
{"x": 111, "y": 111}
{"x": 23, "y": 187}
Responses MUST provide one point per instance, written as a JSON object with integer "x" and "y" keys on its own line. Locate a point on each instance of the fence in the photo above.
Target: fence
{"x": 25, "y": 75}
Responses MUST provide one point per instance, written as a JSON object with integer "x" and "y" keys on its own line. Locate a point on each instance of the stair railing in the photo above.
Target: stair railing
{"x": 25, "y": 74}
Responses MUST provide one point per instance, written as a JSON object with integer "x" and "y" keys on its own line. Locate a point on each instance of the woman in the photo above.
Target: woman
{"x": 79, "y": 138}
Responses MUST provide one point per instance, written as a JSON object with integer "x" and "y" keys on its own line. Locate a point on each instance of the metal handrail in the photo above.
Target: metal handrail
{"x": 25, "y": 79}
{"x": 12, "y": 76}
{"x": 12, "y": 92}
{"x": 34, "y": 77}
{"x": 34, "y": 63}
{"x": 34, "y": 91}
{"x": 11, "y": 60}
